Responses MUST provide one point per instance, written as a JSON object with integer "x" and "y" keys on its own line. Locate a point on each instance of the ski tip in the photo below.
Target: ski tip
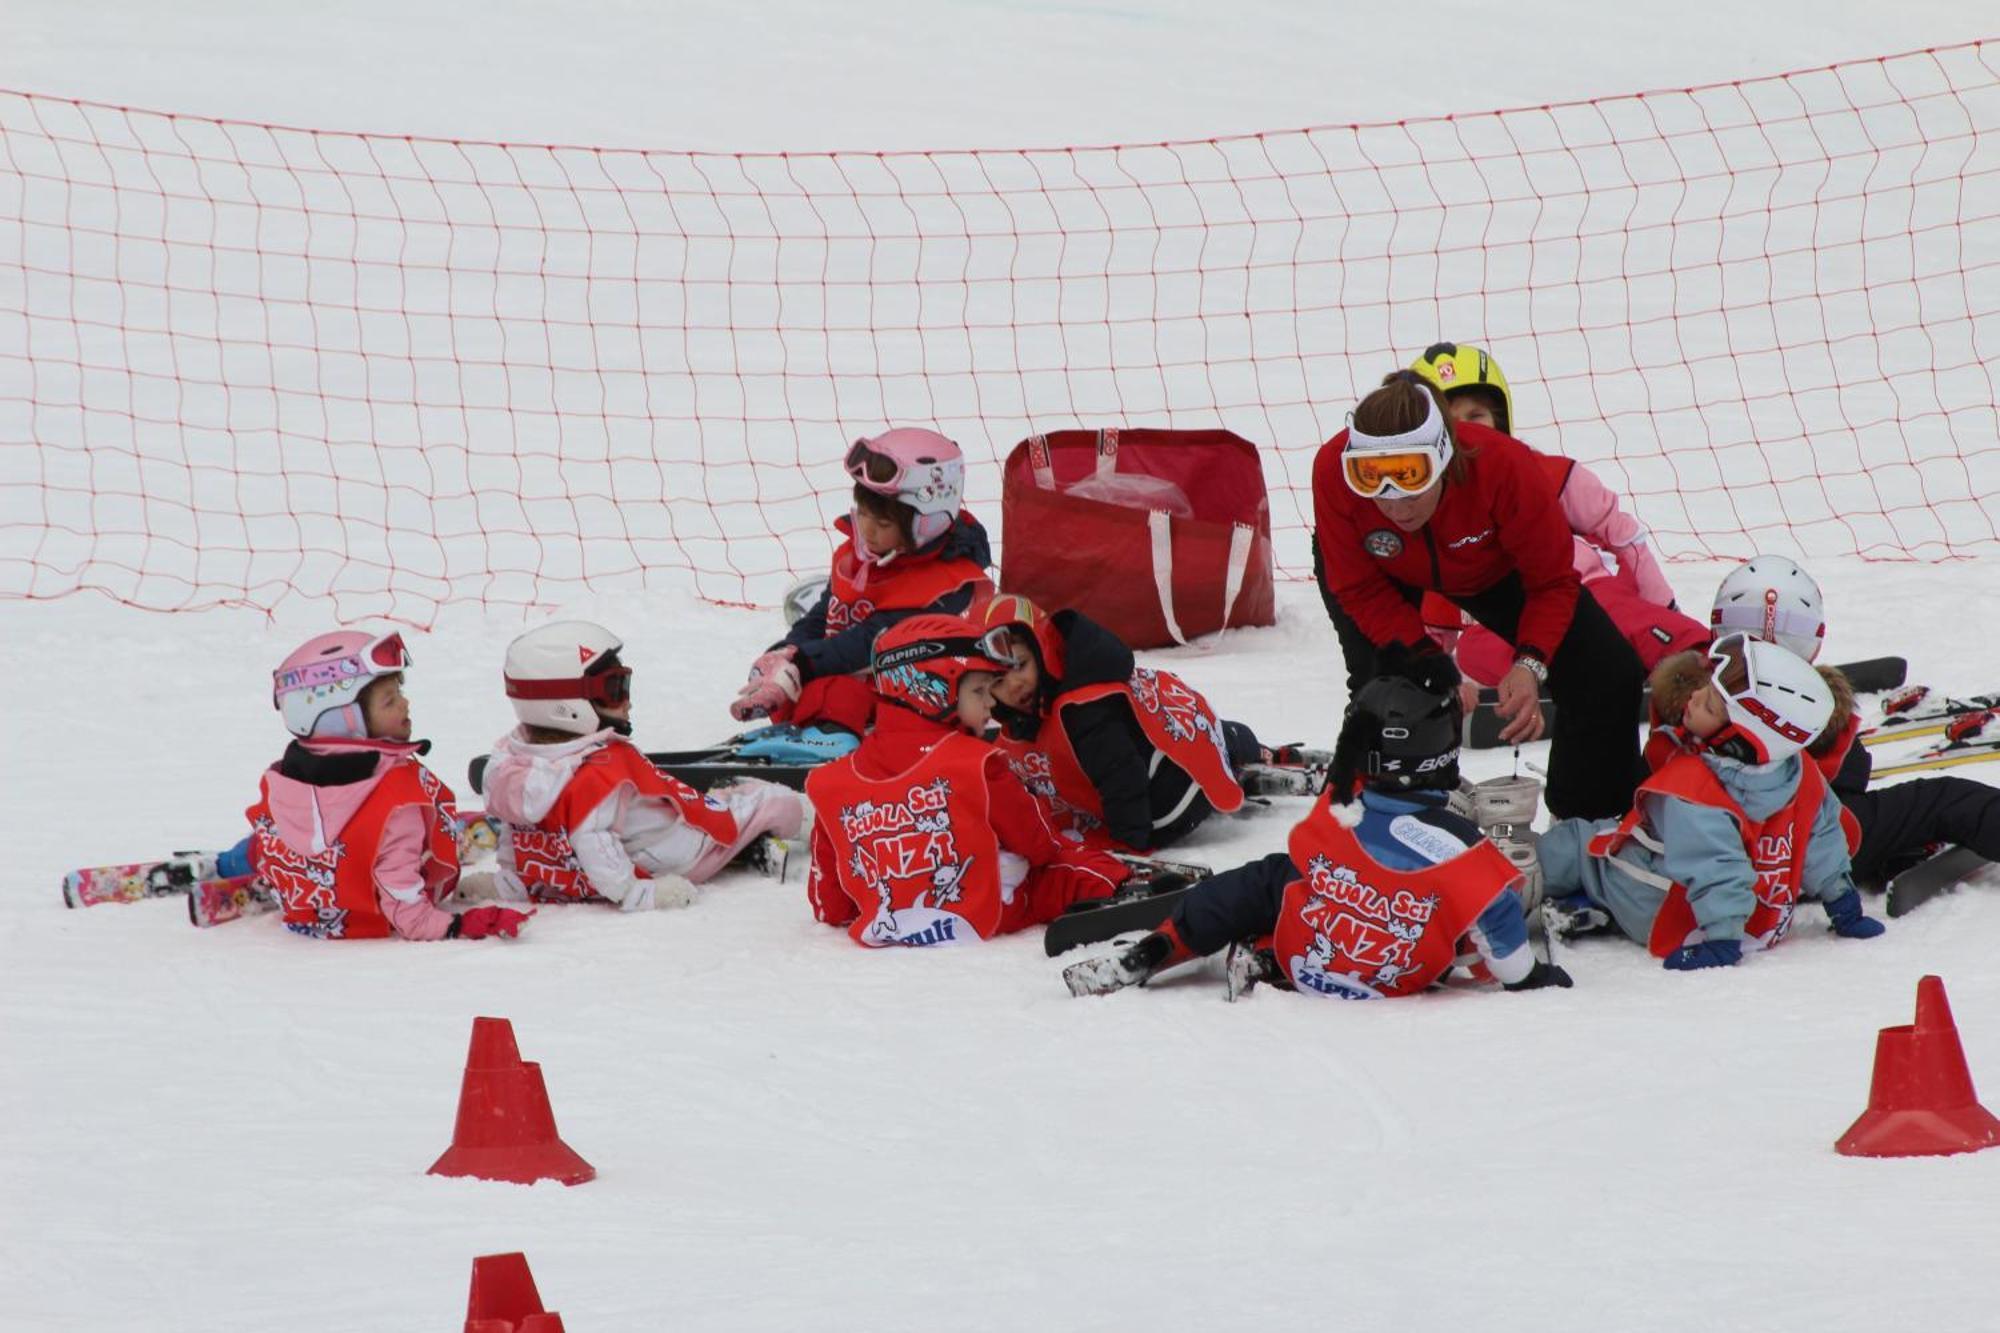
{"x": 72, "y": 887}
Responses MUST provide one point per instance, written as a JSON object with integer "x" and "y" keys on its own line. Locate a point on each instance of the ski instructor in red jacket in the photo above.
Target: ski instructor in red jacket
{"x": 1406, "y": 502}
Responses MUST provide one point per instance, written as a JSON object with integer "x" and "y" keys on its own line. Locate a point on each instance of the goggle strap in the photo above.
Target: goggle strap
{"x": 593, "y": 688}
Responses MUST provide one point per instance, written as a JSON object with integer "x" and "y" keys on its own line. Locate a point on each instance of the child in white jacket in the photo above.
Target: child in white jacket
{"x": 588, "y": 817}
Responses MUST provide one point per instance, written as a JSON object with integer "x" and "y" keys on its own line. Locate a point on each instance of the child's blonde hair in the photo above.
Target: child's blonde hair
{"x": 1843, "y": 710}
{"x": 1676, "y": 680}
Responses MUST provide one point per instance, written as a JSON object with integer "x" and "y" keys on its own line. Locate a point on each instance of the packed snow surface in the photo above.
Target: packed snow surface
{"x": 228, "y": 1129}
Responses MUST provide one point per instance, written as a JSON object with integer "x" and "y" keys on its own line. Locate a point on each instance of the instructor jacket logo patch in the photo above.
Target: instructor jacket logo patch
{"x": 1383, "y": 544}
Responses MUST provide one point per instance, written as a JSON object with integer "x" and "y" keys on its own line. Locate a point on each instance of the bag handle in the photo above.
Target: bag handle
{"x": 1043, "y": 467}
{"x": 1160, "y": 522}
{"x": 1039, "y": 464}
{"x": 1242, "y": 538}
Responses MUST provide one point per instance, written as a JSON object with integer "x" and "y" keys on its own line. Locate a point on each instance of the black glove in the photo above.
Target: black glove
{"x": 1427, "y": 666}
{"x": 1540, "y": 975}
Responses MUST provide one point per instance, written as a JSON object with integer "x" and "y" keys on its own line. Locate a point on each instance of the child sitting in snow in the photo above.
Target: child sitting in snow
{"x": 1118, "y": 753}
{"x": 924, "y": 834}
{"x": 588, "y": 818}
{"x": 356, "y": 839}
{"x": 906, "y": 548}
{"x": 1731, "y": 831}
{"x": 1889, "y": 828}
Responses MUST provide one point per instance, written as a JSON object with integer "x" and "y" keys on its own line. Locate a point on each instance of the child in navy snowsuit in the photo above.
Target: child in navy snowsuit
{"x": 1377, "y": 894}
{"x": 906, "y": 548}
{"x": 1900, "y": 824}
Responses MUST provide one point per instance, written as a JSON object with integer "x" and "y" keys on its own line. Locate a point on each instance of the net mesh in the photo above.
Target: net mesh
{"x": 245, "y": 363}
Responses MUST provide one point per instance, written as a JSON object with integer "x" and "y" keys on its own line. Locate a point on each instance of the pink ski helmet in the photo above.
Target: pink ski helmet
{"x": 919, "y": 467}
{"x": 318, "y": 688}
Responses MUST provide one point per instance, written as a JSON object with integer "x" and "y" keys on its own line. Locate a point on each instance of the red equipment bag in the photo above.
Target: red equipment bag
{"x": 1158, "y": 535}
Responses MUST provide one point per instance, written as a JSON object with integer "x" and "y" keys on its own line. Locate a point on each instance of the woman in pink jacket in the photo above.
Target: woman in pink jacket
{"x": 1613, "y": 557}
{"x": 355, "y": 838}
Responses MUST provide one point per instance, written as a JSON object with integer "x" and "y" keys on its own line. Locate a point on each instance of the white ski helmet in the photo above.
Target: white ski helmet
{"x": 1772, "y": 598}
{"x": 1777, "y": 702}
{"x": 558, "y": 673}
{"x": 317, "y": 690}
{"x": 917, "y": 466}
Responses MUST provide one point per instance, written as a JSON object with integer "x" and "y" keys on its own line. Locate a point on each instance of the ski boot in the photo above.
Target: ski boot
{"x": 1244, "y": 966}
{"x": 1272, "y": 780}
{"x": 1296, "y": 756}
{"x": 1130, "y": 966}
{"x": 1573, "y": 917}
{"x": 1512, "y": 801}
{"x": 783, "y": 743}
{"x": 768, "y": 855}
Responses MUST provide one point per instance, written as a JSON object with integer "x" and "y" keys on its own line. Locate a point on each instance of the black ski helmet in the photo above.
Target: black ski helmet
{"x": 1398, "y": 736}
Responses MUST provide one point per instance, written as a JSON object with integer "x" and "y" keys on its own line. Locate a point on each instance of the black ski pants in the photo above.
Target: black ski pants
{"x": 1595, "y": 679}
{"x": 1898, "y": 823}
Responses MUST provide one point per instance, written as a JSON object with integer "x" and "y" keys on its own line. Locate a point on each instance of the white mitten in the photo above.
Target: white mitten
{"x": 673, "y": 891}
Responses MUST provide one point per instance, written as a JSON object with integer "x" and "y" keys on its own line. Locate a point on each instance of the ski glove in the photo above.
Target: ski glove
{"x": 1709, "y": 953}
{"x": 480, "y": 922}
{"x": 774, "y": 682}
{"x": 1848, "y": 921}
{"x": 1540, "y": 975}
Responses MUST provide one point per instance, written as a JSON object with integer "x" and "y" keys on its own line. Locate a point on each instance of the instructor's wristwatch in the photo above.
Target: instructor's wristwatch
{"x": 1535, "y": 667}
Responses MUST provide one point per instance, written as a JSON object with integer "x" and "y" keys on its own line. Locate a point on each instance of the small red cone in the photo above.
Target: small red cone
{"x": 1921, "y": 1103}
{"x": 504, "y": 1299}
{"x": 506, "y": 1129}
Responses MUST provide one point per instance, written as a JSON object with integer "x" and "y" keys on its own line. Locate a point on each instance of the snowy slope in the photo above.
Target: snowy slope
{"x": 214, "y": 1129}
{"x": 227, "y": 1129}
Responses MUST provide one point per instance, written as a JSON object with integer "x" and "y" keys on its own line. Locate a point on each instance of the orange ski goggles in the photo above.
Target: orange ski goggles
{"x": 1369, "y": 475}
{"x": 1402, "y": 465}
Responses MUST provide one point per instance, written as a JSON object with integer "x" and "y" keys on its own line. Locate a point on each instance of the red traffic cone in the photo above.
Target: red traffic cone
{"x": 1921, "y": 1103}
{"x": 504, "y": 1299}
{"x": 506, "y": 1129}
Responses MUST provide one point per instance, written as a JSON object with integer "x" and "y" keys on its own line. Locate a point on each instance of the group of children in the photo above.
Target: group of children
{"x": 983, "y": 764}
{"x": 357, "y": 839}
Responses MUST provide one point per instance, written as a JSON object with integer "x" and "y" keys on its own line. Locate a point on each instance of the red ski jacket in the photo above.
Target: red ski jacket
{"x": 1505, "y": 517}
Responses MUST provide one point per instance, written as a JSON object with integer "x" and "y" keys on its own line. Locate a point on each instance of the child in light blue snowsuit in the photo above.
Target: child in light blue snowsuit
{"x": 1686, "y": 845}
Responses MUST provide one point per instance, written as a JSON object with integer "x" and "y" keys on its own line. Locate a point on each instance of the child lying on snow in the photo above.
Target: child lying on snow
{"x": 1381, "y": 890}
{"x": 1734, "y": 828}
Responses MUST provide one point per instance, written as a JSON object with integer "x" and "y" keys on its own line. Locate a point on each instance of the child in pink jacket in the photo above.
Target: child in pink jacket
{"x": 355, "y": 838}
{"x": 1610, "y": 549}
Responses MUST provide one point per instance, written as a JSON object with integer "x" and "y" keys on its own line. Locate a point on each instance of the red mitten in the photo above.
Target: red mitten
{"x": 480, "y": 922}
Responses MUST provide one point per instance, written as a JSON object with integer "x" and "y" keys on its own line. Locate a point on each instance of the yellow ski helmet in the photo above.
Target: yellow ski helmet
{"x": 1452, "y": 367}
